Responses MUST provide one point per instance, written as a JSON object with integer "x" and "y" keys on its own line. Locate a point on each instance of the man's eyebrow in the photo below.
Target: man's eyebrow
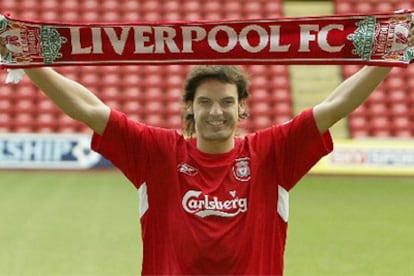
{"x": 208, "y": 98}
{"x": 229, "y": 98}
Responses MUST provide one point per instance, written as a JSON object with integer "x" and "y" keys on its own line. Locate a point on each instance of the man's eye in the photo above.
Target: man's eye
{"x": 228, "y": 101}
{"x": 204, "y": 101}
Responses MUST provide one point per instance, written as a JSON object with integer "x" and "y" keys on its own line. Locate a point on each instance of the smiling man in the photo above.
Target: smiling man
{"x": 215, "y": 203}
{"x": 211, "y": 202}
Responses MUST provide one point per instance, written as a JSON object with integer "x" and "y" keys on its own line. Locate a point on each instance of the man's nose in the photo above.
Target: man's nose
{"x": 216, "y": 109}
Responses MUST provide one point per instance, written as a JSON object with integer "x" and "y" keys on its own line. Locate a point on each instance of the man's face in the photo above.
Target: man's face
{"x": 216, "y": 111}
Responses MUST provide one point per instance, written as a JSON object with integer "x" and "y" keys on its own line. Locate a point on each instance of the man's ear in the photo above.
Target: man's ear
{"x": 242, "y": 108}
{"x": 189, "y": 107}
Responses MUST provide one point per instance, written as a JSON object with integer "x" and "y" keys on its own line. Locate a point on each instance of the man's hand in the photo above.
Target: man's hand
{"x": 410, "y": 38}
{"x": 3, "y": 49}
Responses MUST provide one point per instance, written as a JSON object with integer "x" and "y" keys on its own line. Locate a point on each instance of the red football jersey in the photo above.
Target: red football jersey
{"x": 213, "y": 213}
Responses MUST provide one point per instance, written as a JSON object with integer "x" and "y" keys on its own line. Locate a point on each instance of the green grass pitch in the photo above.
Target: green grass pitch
{"x": 86, "y": 223}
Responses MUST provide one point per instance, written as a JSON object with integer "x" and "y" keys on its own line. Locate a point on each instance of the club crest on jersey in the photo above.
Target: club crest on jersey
{"x": 241, "y": 169}
{"x": 187, "y": 169}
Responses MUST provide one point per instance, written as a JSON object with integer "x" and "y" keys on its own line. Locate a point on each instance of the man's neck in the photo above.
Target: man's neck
{"x": 215, "y": 147}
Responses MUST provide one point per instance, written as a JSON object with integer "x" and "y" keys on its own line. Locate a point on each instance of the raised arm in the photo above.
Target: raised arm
{"x": 348, "y": 96}
{"x": 72, "y": 98}
{"x": 351, "y": 93}
{"x": 69, "y": 96}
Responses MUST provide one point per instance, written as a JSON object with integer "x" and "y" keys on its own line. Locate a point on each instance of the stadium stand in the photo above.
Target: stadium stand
{"x": 389, "y": 112}
{"x": 151, "y": 94}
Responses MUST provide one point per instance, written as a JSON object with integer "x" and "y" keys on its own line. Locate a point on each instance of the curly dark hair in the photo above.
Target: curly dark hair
{"x": 225, "y": 73}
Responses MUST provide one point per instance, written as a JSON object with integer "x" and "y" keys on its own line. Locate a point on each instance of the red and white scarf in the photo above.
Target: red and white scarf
{"x": 375, "y": 39}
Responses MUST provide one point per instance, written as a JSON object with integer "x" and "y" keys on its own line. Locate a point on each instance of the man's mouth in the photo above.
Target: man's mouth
{"x": 216, "y": 122}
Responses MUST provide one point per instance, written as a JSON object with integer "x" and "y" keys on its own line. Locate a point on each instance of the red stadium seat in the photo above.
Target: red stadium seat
{"x": 403, "y": 4}
{"x": 110, "y": 6}
{"x": 253, "y": 6}
{"x": 377, "y": 108}
{"x": 110, "y": 93}
{"x": 358, "y": 122}
{"x": 384, "y": 6}
{"x": 279, "y": 81}
{"x": 259, "y": 95}
{"x": 46, "y": 106}
{"x": 93, "y": 5}
{"x": 173, "y": 5}
{"x": 25, "y": 92}
{"x": 174, "y": 122}
{"x": 7, "y": 92}
{"x": 385, "y": 133}
{"x": 23, "y": 122}
{"x": 131, "y": 107}
{"x": 6, "y": 106}
{"x": 280, "y": 95}
{"x": 153, "y": 94}
{"x": 261, "y": 108}
{"x": 154, "y": 107}
{"x": 360, "y": 133}
{"x": 14, "y": 5}
{"x": 278, "y": 70}
{"x": 114, "y": 104}
{"x": 257, "y": 70}
{"x": 400, "y": 109}
{"x": 402, "y": 123}
{"x": 151, "y": 5}
{"x": 395, "y": 83}
{"x": 5, "y": 122}
{"x": 91, "y": 79}
{"x": 233, "y": 6}
{"x": 49, "y": 5}
{"x": 45, "y": 122}
{"x": 272, "y": 9}
{"x": 69, "y": 5}
{"x": 403, "y": 133}
{"x": 261, "y": 122}
{"x": 379, "y": 96}
{"x": 283, "y": 109}
{"x": 212, "y": 6}
{"x": 174, "y": 95}
{"x": 154, "y": 119}
{"x": 131, "y": 80}
{"x": 380, "y": 122}
{"x": 173, "y": 108}
{"x": 174, "y": 81}
{"x": 70, "y": 16}
{"x": 259, "y": 83}
{"x": 26, "y": 106}
{"x": 397, "y": 96}
{"x": 131, "y": 94}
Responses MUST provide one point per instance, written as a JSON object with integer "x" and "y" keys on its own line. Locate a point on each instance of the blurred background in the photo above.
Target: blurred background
{"x": 55, "y": 222}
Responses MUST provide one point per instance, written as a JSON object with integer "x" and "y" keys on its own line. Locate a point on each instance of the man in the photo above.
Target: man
{"x": 211, "y": 203}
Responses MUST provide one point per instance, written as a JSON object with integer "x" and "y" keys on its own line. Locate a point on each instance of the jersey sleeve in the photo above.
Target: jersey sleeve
{"x": 302, "y": 147}
{"x": 294, "y": 148}
{"x": 131, "y": 146}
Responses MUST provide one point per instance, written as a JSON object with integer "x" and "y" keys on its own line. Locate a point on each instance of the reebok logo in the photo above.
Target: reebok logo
{"x": 187, "y": 169}
{"x": 195, "y": 202}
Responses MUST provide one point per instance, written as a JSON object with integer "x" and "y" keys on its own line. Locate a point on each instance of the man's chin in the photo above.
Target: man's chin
{"x": 218, "y": 136}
